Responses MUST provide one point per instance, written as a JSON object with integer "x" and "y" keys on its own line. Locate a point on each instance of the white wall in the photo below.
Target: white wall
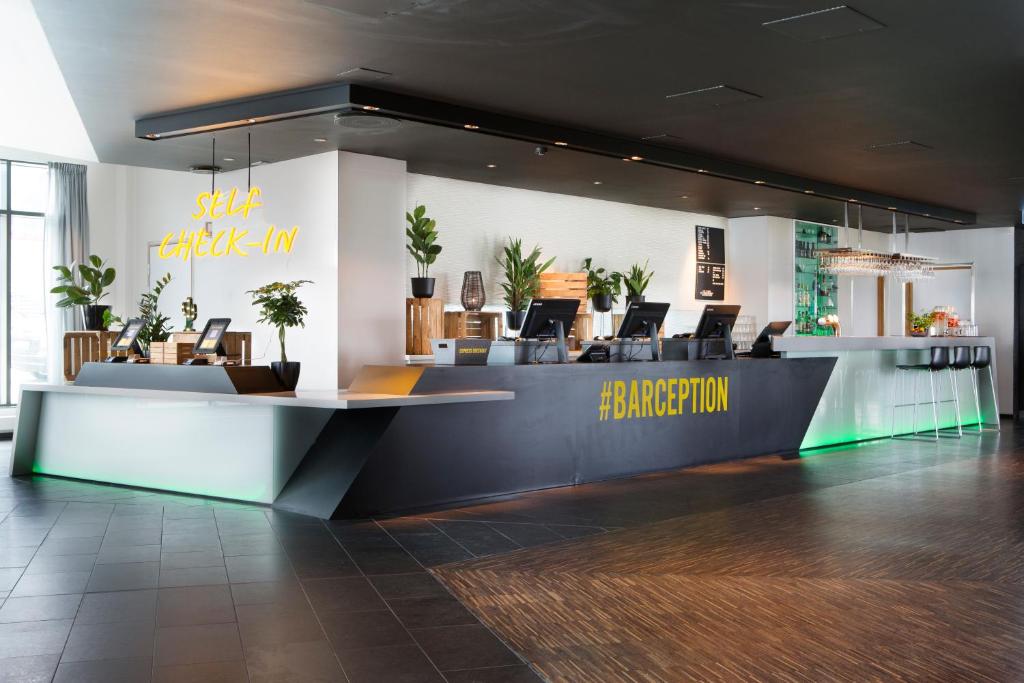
{"x": 759, "y": 267}
{"x": 130, "y": 207}
{"x": 991, "y": 251}
{"x": 371, "y": 262}
{"x": 473, "y": 220}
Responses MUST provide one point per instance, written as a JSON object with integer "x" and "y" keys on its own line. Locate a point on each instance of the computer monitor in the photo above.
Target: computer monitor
{"x": 127, "y": 341}
{"x": 716, "y": 322}
{"x": 762, "y": 347}
{"x": 212, "y": 338}
{"x": 550, "y": 319}
{"x": 643, "y": 320}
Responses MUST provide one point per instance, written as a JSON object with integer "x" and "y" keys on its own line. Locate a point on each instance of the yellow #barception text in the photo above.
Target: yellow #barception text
{"x": 670, "y": 396}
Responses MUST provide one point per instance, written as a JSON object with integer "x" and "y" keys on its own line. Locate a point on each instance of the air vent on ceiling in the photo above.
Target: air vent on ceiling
{"x": 897, "y": 147}
{"x": 825, "y": 24}
{"x": 362, "y": 75}
{"x": 927, "y": 230}
{"x": 366, "y": 123}
{"x": 663, "y": 137}
{"x": 204, "y": 169}
{"x": 715, "y": 96}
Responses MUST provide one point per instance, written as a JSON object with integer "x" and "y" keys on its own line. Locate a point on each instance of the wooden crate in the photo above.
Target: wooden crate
{"x": 472, "y": 324}
{"x": 564, "y": 286}
{"x": 238, "y": 345}
{"x": 582, "y": 330}
{"x": 424, "y": 320}
{"x": 169, "y": 352}
{"x": 86, "y": 347}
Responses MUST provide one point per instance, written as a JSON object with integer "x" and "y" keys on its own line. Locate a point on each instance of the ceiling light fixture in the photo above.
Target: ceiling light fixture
{"x": 759, "y": 182}
{"x": 252, "y": 120}
{"x": 561, "y": 144}
{"x": 370, "y": 107}
{"x": 684, "y": 196}
{"x": 757, "y": 208}
{"x": 471, "y": 126}
{"x": 636, "y": 158}
{"x": 319, "y": 139}
{"x": 229, "y": 158}
{"x": 492, "y": 166}
{"x": 597, "y": 182}
{"x": 808, "y": 191}
{"x": 701, "y": 170}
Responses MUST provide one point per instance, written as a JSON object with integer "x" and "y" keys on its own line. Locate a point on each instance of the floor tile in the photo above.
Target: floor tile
{"x": 126, "y": 537}
{"x": 69, "y": 546}
{"x": 429, "y": 612}
{"x": 327, "y": 565}
{"x": 193, "y": 576}
{"x": 37, "y": 669}
{"x": 40, "y": 608}
{"x": 384, "y": 560}
{"x": 477, "y": 537}
{"x": 116, "y": 640}
{"x": 357, "y": 630}
{"x": 526, "y": 535}
{"x": 464, "y": 647}
{"x": 400, "y": 664}
{"x": 299, "y": 662}
{"x": 501, "y": 674}
{"x": 136, "y": 670}
{"x": 189, "y": 560}
{"x": 197, "y": 644}
{"x": 51, "y": 584}
{"x": 9, "y": 577}
{"x": 351, "y": 594}
{"x": 102, "y": 608}
{"x": 16, "y": 557}
{"x": 419, "y": 585}
{"x": 259, "y": 593}
{"x": 205, "y": 672}
{"x": 128, "y": 553}
{"x": 28, "y": 638}
{"x": 123, "y": 577}
{"x": 55, "y": 564}
{"x": 89, "y": 530}
{"x": 277, "y": 624}
{"x": 252, "y": 568}
{"x": 195, "y": 605}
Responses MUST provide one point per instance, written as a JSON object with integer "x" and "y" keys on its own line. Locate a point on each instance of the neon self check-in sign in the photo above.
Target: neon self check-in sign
{"x": 232, "y": 241}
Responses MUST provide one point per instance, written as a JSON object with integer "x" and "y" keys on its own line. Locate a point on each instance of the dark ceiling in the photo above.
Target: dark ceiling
{"x": 944, "y": 74}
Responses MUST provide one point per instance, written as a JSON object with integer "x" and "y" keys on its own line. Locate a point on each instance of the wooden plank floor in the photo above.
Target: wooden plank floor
{"x": 896, "y": 561}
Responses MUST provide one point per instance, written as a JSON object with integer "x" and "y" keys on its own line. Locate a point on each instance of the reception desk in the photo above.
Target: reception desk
{"x": 408, "y": 437}
{"x": 857, "y": 402}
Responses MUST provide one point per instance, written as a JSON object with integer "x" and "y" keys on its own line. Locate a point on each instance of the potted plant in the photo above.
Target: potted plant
{"x": 84, "y": 285}
{"x": 636, "y": 281}
{"x": 602, "y": 289}
{"x": 155, "y": 327}
{"x": 280, "y": 307}
{"x": 422, "y": 234}
{"x": 920, "y": 323}
{"x": 522, "y": 280}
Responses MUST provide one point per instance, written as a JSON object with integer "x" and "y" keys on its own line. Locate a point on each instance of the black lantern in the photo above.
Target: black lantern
{"x": 473, "y": 296}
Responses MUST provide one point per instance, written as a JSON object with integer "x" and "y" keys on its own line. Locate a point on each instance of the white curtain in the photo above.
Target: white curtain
{"x": 67, "y": 242}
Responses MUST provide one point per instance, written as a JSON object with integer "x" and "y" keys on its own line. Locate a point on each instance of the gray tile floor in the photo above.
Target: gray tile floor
{"x": 101, "y": 583}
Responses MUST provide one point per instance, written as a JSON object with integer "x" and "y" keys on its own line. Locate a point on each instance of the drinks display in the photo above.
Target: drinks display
{"x": 816, "y": 291}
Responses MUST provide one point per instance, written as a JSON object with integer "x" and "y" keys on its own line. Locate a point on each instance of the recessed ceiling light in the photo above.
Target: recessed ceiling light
{"x": 153, "y": 136}
{"x": 891, "y": 208}
{"x": 636, "y": 158}
{"x": 229, "y": 158}
{"x": 370, "y": 107}
{"x": 470, "y": 126}
{"x": 853, "y": 200}
{"x": 597, "y": 182}
{"x": 928, "y": 215}
{"x": 319, "y": 139}
{"x": 492, "y": 166}
{"x": 835, "y": 220}
{"x": 258, "y": 163}
{"x": 701, "y": 170}
{"x": 252, "y": 120}
{"x": 759, "y": 182}
{"x": 561, "y": 144}
{"x": 684, "y": 196}
{"x": 757, "y": 208}
{"x": 808, "y": 191}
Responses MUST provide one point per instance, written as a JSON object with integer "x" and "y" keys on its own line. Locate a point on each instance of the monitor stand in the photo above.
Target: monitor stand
{"x": 652, "y": 335}
{"x": 563, "y": 353}
{"x": 727, "y": 340}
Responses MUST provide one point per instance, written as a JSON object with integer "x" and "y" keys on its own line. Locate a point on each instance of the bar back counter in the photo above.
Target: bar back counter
{"x": 408, "y": 437}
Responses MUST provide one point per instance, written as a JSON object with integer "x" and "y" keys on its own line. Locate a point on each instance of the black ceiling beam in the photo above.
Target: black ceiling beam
{"x": 371, "y": 100}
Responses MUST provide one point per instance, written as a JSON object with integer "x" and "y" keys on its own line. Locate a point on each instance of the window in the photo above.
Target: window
{"x": 24, "y": 277}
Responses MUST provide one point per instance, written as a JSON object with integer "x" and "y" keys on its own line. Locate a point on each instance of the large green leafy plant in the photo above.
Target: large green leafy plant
{"x": 600, "y": 282}
{"x": 155, "y": 327}
{"x": 280, "y": 307}
{"x": 422, "y": 234}
{"x": 522, "y": 274}
{"x": 83, "y": 284}
{"x": 637, "y": 279}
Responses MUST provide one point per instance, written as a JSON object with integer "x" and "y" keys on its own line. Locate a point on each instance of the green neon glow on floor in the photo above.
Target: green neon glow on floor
{"x": 253, "y": 495}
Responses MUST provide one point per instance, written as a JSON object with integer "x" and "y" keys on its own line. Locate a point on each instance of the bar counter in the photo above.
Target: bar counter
{"x": 857, "y": 403}
{"x": 410, "y": 437}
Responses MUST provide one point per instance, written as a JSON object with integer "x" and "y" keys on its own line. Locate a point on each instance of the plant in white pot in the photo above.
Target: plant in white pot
{"x": 280, "y": 307}
{"x": 422, "y": 234}
{"x": 84, "y": 285}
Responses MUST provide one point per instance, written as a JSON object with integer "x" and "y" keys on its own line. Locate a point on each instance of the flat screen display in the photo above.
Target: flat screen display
{"x": 212, "y": 337}
{"x": 126, "y": 340}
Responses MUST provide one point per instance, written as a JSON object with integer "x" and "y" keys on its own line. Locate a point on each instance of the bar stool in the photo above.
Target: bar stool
{"x": 960, "y": 362}
{"x": 982, "y": 360}
{"x": 938, "y": 360}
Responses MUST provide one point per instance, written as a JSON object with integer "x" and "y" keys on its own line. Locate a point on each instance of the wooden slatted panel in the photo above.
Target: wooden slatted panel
{"x": 564, "y": 286}
{"x": 472, "y": 324}
{"x": 424, "y": 320}
{"x": 85, "y": 347}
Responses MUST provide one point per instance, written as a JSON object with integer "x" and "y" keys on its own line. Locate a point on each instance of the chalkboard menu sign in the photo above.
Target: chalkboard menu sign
{"x": 710, "y": 263}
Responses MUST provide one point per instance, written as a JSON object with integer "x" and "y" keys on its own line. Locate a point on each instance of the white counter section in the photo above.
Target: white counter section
{"x": 858, "y": 401}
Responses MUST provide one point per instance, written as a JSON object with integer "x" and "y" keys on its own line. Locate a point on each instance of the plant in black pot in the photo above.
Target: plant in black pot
{"x": 636, "y": 281}
{"x": 522, "y": 280}
{"x": 602, "y": 287}
{"x": 280, "y": 307}
{"x": 84, "y": 285}
{"x": 422, "y": 234}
